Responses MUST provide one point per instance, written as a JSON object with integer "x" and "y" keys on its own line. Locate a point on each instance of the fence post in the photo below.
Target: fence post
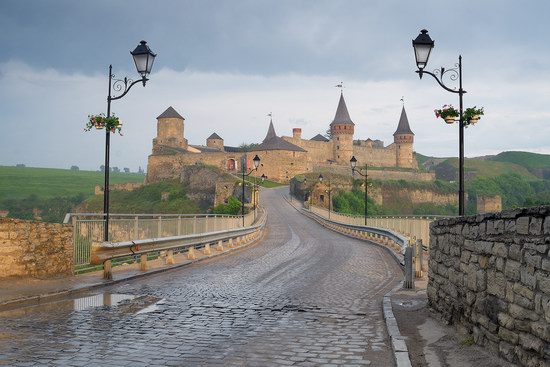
{"x": 179, "y": 225}
{"x": 107, "y": 270}
{"x": 418, "y": 258}
{"x": 170, "y": 257}
{"x": 143, "y": 262}
{"x": 191, "y": 253}
{"x": 409, "y": 280}
{"x": 136, "y": 228}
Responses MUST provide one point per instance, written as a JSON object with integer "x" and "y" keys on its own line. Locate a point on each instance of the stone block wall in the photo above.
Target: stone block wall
{"x": 35, "y": 249}
{"x": 490, "y": 274}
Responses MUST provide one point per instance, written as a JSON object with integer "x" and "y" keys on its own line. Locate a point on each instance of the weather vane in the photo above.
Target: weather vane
{"x": 341, "y": 86}
{"x": 402, "y": 100}
{"x": 270, "y": 115}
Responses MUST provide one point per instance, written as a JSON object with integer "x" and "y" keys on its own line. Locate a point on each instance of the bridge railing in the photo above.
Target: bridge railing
{"x": 103, "y": 253}
{"x": 88, "y": 228}
{"x": 410, "y": 226}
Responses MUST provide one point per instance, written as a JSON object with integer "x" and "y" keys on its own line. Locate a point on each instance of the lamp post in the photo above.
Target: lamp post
{"x": 329, "y": 193}
{"x": 423, "y": 46}
{"x": 143, "y": 58}
{"x": 353, "y": 163}
{"x": 256, "y": 162}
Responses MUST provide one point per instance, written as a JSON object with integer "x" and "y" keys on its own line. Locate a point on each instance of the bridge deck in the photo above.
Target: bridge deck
{"x": 304, "y": 296}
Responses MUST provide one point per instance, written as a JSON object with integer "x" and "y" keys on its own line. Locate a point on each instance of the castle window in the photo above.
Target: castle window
{"x": 322, "y": 198}
{"x": 337, "y": 147}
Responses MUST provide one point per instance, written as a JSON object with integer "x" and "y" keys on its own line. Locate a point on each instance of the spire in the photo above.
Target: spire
{"x": 170, "y": 113}
{"x": 403, "y": 127}
{"x": 342, "y": 114}
{"x": 270, "y": 132}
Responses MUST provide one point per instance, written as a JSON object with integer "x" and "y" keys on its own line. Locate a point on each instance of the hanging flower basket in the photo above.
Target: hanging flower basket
{"x": 472, "y": 115}
{"x": 111, "y": 123}
{"x": 447, "y": 113}
{"x": 449, "y": 120}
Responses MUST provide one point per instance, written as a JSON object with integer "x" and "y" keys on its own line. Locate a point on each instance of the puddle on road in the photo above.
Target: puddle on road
{"x": 98, "y": 300}
{"x": 124, "y": 303}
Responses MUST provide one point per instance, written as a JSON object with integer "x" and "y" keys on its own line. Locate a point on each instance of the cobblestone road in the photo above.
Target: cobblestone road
{"x": 304, "y": 296}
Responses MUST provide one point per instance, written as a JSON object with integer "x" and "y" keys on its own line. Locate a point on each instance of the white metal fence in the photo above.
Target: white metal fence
{"x": 88, "y": 228}
{"x": 410, "y": 226}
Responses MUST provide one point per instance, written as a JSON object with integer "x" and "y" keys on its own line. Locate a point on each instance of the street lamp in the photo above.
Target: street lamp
{"x": 143, "y": 58}
{"x": 423, "y": 46}
{"x": 353, "y": 163}
{"x": 256, "y": 162}
{"x": 329, "y": 193}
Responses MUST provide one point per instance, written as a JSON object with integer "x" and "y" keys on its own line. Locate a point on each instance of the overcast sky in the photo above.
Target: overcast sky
{"x": 224, "y": 65}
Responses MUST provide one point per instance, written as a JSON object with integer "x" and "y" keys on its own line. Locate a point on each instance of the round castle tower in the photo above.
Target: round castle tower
{"x": 341, "y": 130}
{"x": 403, "y": 138}
{"x": 170, "y": 130}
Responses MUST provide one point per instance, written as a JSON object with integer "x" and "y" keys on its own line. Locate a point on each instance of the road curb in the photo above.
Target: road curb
{"x": 398, "y": 345}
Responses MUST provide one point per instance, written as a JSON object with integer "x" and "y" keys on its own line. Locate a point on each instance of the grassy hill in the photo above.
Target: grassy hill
{"x": 480, "y": 168}
{"x": 21, "y": 182}
{"x": 537, "y": 164}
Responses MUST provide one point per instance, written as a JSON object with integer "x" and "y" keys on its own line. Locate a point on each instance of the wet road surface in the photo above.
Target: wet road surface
{"x": 303, "y": 296}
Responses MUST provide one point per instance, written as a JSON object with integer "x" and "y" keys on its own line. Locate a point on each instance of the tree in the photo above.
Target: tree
{"x": 244, "y": 147}
{"x": 126, "y": 170}
{"x": 75, "y": 168}
{"x": 102, "y": 168}
{"x": 115, "y": 169}
{"x": 20, "y": 165}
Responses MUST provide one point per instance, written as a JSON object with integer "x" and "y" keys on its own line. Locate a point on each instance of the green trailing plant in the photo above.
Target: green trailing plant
{"x": 111, "y": 123}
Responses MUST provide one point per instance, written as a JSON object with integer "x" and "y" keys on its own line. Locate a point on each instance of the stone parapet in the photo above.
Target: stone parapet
{"x": 35, "y": 249}
{"x": 490, "y": 274}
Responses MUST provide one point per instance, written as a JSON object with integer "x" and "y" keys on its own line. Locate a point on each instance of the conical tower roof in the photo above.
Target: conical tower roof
{"x": 170, "y": 113}
{"x": 273, "y": 142}
{"x": 214, "y": 136}
{"x": 403, "y": 127}
{"x": 270, "y": 132}
{"x": 342, "y": 114}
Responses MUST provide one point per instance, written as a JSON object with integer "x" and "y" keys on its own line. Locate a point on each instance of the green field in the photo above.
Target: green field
{"x": 21, "y": 182}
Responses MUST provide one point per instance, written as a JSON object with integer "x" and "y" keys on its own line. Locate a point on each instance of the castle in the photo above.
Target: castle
{"x": 285, "y": 157}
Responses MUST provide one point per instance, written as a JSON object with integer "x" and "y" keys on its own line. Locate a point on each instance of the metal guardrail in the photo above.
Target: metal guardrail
{"x": 410, "y": 226}
{"x": 375, "y": 232}
{"x": 105, "y": 252}
{"x": 88, "y": 228}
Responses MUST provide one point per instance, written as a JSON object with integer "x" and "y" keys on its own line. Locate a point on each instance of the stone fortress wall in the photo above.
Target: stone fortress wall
{"x": 490, "y": 274}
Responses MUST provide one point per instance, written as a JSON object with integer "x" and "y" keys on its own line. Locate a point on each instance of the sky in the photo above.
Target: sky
{"x": 225, "y": 65}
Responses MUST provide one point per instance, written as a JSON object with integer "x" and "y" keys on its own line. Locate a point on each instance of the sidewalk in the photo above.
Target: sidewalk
{"x": 429, "y": 341}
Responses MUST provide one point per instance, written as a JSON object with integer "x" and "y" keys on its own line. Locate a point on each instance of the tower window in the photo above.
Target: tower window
{"x": 337, "y": 147}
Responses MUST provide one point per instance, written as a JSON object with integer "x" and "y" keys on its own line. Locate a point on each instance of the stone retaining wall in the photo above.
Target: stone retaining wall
{"x": 490, "y": 274}
{"x": 35, "y": 249}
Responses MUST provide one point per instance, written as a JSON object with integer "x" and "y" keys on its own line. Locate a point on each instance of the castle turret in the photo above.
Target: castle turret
{"x": 403, "y": 138}
{"x": 215, "y": 141}
{"x": 342, "y": 133}
{"x": 170, "y": 126}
